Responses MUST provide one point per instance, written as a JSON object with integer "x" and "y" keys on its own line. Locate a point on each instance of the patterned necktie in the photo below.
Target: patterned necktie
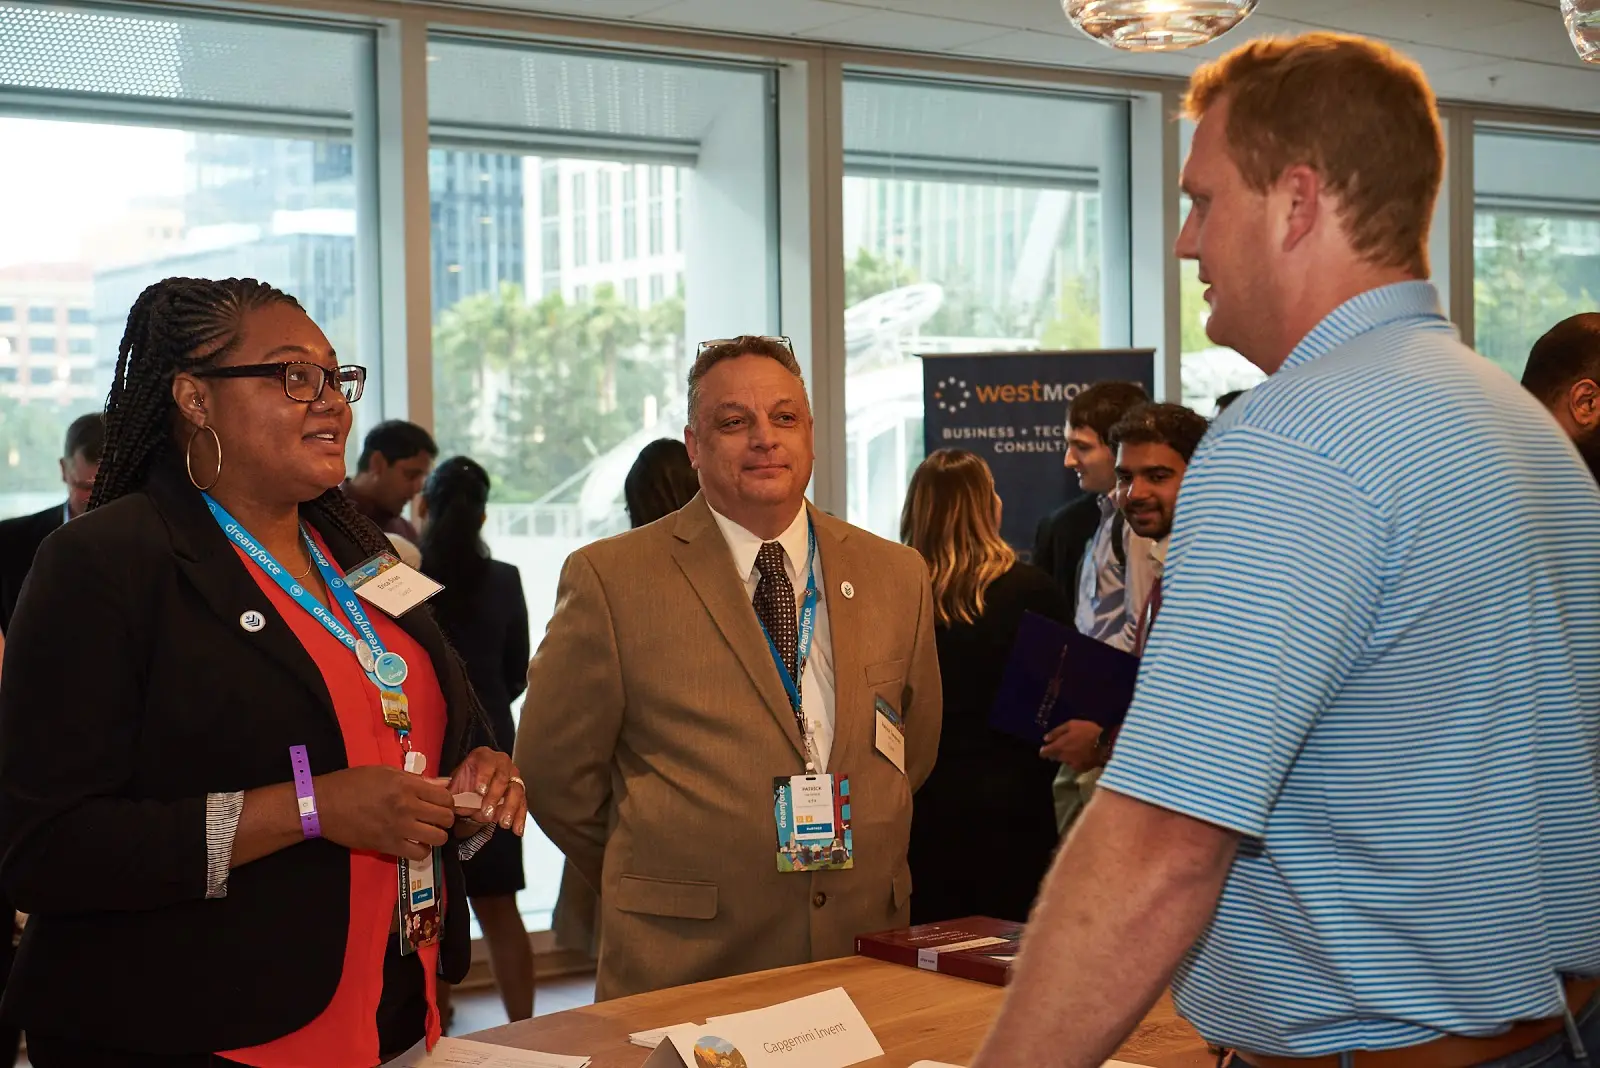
{"x": 774, "y": 603}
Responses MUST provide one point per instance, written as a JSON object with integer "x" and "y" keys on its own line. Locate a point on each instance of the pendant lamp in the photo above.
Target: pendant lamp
{"x": 1583, "y": 26}
{"x": 1159, "y": 25}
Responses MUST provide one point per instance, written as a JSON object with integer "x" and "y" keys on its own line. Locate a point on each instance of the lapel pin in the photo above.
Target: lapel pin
{"x": 253, "y": 621}
{"x": 848, "y": 590}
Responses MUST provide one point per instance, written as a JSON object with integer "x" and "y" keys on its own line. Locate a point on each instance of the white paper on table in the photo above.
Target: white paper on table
{"x": 652, "y": 1039}
{"x": 823, "y": 1030}
{"x": 941, "y": 1064}
{"x": 464, "y": 1053}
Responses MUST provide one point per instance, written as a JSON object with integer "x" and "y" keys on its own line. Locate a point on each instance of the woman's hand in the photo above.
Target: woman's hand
{"x": 490, "y": 775}
{"x": 384, "y": 810}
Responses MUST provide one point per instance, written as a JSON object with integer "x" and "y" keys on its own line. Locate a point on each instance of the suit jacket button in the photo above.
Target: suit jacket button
{"x": 819, "y": 899}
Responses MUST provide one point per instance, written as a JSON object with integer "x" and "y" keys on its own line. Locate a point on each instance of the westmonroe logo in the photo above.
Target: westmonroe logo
{"x": 951, "y": 394}
{"x": 1029, "y": 392}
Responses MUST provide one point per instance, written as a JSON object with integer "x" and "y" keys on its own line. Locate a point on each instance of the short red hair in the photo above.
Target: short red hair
{"x": 1357, "y": 112}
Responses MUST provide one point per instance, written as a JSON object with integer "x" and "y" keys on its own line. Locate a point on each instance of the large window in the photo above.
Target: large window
{"x": 1209, "y": 370}
{"x": 550, "y": 369}
{"x": 1536, "y": 237}
{"x": 177, "y": 145}
{"x": 967, "y": 229}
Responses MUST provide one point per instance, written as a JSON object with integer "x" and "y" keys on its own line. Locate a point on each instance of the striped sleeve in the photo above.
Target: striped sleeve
{"x": 1270, "y": 597}
{"x": 222, "y": 826}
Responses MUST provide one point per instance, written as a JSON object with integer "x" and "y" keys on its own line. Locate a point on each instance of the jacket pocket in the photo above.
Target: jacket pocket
{"x": 886, "y": 671}
{"x": 901, "y": 891}
{"x": 665, "y": 897}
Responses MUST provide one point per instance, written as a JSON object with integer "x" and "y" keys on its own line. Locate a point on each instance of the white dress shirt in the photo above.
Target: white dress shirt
{"x": 1143, "y": 570}
{"x": 816, "y": 678}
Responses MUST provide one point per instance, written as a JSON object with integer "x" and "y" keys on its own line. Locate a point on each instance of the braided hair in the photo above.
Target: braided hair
{"x": 177, "y": 325}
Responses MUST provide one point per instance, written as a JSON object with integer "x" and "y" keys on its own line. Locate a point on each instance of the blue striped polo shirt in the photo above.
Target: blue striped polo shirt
{"x": 1378, "y": 660}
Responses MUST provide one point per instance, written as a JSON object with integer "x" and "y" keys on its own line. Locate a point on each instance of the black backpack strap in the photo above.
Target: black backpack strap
{"x": 1118, "y": 525}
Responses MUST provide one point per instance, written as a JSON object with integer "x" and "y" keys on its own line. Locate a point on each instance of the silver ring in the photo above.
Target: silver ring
{"x": 518, "y": 780}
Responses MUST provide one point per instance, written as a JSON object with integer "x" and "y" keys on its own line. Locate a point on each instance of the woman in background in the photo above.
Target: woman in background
{"x": 482, "y": 611}
{"x": 983, "y": 831}
{"x": 661, "y": 481}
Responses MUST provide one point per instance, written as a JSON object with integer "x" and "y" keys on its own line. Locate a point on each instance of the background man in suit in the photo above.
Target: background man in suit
{"x": 20, "y": 538}
{"x": 1563, "y": 371}
{"x": 396, "y": 457}
{"x": 657, "y": 718}
{"x": 1063, "y": 536}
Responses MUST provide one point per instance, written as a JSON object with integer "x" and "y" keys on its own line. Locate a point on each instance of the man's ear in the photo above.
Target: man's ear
{"x": 1583, "y": 402}
{"x": 1301, "y": 188}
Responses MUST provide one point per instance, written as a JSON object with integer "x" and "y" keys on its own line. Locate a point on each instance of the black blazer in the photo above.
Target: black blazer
{"x": 489, "y": 627}
{"x": 1059, "y": 544}
{"x": 130, "y": 690}
{"x": 19, "y": 543}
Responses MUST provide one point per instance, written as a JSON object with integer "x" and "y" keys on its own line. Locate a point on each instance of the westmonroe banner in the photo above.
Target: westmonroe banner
{"x": 1011, "y": 409}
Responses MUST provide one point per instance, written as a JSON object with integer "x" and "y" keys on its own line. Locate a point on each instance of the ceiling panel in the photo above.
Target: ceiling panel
{"x": 1054, "y": 49}
{"x": 794, "y": 17}
{"x": 883, "y": 29}
{"x": 1501, "y": 51}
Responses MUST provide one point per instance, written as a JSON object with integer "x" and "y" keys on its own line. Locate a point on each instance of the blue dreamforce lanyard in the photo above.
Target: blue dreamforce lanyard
{"x": 807, "y": 627}
{"x": 337, "y": 587}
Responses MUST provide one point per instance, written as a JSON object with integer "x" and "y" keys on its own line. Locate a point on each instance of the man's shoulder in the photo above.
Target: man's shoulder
{"x": 47, "y": 519}
{"x": 1080, "y": 513}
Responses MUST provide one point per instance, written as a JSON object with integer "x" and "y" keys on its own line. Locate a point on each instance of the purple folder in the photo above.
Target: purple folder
{"x": 1056, "y": 674}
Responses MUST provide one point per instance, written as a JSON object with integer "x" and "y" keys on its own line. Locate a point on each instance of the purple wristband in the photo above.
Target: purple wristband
{"x": 304, "y": 795}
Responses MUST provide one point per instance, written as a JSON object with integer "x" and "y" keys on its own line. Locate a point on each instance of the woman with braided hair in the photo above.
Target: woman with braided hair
{"x": 222, "y": 799}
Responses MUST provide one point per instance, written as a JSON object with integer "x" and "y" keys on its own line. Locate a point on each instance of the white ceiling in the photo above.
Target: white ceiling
{"x": 1500, "y": 51}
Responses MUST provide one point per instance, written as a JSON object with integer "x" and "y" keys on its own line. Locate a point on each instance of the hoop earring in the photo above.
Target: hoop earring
{"x": 188, "y": 458}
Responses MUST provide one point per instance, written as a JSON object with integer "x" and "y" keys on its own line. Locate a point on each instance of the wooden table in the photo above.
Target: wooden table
{"x": 916, "y": 1015}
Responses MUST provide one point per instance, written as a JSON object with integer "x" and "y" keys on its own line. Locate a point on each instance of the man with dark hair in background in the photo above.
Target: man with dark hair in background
{"x": 20, "y": 538}
{"x": 1226, "y": 399}
{"x": 1153, "y": 444}
{"x": 1085, "y": 546}
{"x": 395, "y": 459}
{"x": 1061, "y": 544}
{"x": 1563, "y": 371}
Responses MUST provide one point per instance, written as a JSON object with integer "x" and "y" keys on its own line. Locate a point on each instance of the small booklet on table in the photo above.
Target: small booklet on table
{"x": 977, "y": 948}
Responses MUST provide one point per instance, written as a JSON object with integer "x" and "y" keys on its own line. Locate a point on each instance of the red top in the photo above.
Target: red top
{"x": 345, "y": 1033}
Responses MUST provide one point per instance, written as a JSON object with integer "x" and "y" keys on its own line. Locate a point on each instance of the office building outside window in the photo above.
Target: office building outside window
{"x": 966, "y": 231}
{"x": 555, "y": 379}
{"x": 1536, "y": 237}
{"x": 207, "y": 166}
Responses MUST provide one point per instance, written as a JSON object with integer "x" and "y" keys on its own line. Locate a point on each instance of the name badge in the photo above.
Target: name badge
{"x": 391, "y": 584}
{"x": 419, "y": 890}
{"x": 891, "y": 734}
{"x": 812, "y": 813}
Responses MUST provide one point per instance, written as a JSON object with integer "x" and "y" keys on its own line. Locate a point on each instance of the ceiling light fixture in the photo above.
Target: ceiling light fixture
{"x": 1163, "y": 25}
{"x": 1583, "y": 26}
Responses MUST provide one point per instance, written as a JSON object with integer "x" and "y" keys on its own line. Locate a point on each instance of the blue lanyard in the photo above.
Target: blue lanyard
{"x": 807, "y": 627}
{"x": 337, "y": 588}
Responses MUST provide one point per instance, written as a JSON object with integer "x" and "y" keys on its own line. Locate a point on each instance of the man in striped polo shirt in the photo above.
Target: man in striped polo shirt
{"x": 1354, "y": 814}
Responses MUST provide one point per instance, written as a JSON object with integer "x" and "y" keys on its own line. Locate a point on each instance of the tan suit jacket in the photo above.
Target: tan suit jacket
{"x": 656, "y": 721}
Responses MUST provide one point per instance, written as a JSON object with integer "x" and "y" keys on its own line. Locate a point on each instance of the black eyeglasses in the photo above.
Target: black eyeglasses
{"x": 303, "y": 382}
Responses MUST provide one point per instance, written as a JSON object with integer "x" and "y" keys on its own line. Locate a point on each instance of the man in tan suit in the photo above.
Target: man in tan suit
{"x": 657, "y": 717}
